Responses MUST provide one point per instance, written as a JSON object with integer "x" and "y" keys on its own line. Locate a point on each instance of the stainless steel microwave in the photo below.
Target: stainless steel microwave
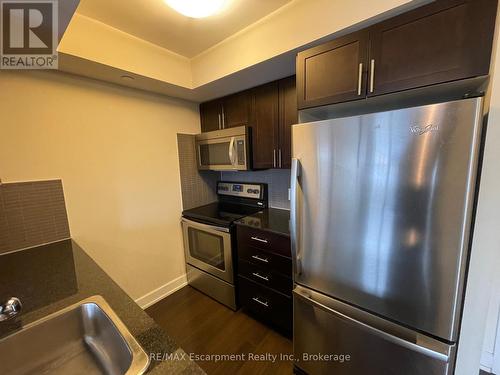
{"x": 223, "y": 150}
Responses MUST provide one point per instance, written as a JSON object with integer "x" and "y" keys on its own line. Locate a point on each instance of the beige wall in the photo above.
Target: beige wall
{"x": 116, "y": 151}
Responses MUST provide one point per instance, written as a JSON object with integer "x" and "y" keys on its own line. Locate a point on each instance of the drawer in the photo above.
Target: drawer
{"x": 267, "y": 304}
{"x": 264, "y": 240}
{"x": 265, "y": 259}
{"x": 266, "y": 277}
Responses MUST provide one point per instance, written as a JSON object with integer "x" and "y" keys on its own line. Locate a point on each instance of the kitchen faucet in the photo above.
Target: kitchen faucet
{"x": 10, "y": 309}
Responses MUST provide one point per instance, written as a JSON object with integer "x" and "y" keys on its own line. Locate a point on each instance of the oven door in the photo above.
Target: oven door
{"x": 208, "y": 248}
{"x": 221, "y": 154}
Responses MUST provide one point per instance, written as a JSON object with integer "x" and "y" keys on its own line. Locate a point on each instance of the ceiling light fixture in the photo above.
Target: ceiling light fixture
{"x": 197, "y": 8}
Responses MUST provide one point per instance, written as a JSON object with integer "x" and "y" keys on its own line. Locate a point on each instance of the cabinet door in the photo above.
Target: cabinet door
{"x": 443, "y": 41}
{"x": 265, "y": 126}
{"x": 236, "y": 109}
{"x": 288, "y": 117}
{"x": 210, "y": 115}
{"x": 333, "y": 72}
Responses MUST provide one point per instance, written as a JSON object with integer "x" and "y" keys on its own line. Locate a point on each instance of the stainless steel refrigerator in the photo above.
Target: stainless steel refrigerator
{"x": 381, "y": 221}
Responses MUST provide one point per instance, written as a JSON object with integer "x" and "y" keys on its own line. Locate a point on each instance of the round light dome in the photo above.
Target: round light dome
{"x": 197, "y": 8}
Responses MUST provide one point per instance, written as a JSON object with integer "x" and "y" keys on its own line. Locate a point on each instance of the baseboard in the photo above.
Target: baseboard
{"x": 163, "y": 291}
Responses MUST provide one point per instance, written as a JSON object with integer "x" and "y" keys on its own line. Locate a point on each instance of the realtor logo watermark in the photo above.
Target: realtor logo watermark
{"x": 28, "y": 34}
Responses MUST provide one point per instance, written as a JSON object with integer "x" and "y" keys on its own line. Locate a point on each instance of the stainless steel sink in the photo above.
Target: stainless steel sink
{"x": 85, "y": 338}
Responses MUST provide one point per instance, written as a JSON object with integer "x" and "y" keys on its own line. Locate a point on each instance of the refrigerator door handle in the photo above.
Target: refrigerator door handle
{"x": 374, "y": 331}
{"x": 294, "y": 235}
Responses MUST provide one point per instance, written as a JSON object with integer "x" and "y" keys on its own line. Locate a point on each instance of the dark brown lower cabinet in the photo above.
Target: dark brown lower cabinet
{"x": 265, "y": 280}
{"x": 267, "y": 277}
{"x": 269, "y": 305}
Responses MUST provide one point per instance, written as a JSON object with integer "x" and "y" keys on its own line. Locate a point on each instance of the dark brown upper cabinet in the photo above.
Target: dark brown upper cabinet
{"x": 270, "y": 110}
{"x": 443, "y": 41}
{"x": 236, "y": 110}
{"x": 440, "y": 42}
{"x": 288, "y": 115}
{"x": 228, "y": 112}
{"x": 210, "y": 115}
{"x": 275, "y": 113}
{"x": 265, "y": 126}
{"x": 333, "y": 72}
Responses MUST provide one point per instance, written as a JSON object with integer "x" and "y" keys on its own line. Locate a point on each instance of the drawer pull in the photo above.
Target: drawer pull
{"x": 256, "y": 257}
{"x": 259, "y": 239}
{"x": 261, "y": 302}
{"x": 256, "y": 274}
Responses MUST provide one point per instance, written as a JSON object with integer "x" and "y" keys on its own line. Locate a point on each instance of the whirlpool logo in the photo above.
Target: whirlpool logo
{"x": 29, "y": 34}
{"x": 420, "y": 130}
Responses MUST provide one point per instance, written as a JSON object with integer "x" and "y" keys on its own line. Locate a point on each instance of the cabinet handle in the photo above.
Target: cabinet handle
{"x": 261, "y": 302}
{"x": 256, "y": 257}
{"x": 372, "y": 75}
{"x": 279, "y": 158}
{"x": 223, "y": 118}
{"x": 274, "y": 158}
{"x": 256, "y": 274}
{"x": 219, "y": 121}
{"x": 259, "y": 239}
{"x": 360, "y": 78}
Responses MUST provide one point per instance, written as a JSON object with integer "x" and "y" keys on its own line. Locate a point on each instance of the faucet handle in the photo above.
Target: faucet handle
{"x": 10, "y": 309}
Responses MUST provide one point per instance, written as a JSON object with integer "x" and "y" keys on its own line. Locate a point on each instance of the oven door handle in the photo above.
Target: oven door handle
{"x": 202, "y": 226}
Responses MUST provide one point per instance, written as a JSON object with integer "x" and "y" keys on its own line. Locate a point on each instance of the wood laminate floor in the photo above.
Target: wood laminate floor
{"x": 203, "y": 326}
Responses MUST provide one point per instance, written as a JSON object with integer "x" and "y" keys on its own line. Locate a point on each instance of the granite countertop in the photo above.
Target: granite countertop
{"x": 50, "y": 277}
{"x": 271, "y": 219}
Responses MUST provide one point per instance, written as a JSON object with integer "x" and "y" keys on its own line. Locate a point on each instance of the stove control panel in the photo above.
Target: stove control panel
{"x": 242, "y": 190}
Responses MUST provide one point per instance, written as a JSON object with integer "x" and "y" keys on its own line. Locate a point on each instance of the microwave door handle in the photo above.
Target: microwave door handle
{"x": 231, "y": 152}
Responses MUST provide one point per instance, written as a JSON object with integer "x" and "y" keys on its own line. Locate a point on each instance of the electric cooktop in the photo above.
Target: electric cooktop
{"x": 236, "y": 200}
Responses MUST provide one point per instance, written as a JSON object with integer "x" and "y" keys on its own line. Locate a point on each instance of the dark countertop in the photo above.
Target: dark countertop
{"x": 50, "y": 277}
{"x": 271, "y": 219}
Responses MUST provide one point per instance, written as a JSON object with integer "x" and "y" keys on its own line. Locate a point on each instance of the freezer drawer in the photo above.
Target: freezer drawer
{"x": 375, "y": 346}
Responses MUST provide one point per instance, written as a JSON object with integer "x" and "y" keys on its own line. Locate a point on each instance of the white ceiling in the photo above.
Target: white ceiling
{"x": 155, "y": 22}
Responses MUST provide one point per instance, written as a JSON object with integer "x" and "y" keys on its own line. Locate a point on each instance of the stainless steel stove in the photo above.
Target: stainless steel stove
{"x": 209, "y": 238}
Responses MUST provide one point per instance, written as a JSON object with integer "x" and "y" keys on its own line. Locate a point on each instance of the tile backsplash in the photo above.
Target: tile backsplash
{"x": 278, "y": 181}
{"x": 198, "y": 187}
{"x": 32, "y": 213}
